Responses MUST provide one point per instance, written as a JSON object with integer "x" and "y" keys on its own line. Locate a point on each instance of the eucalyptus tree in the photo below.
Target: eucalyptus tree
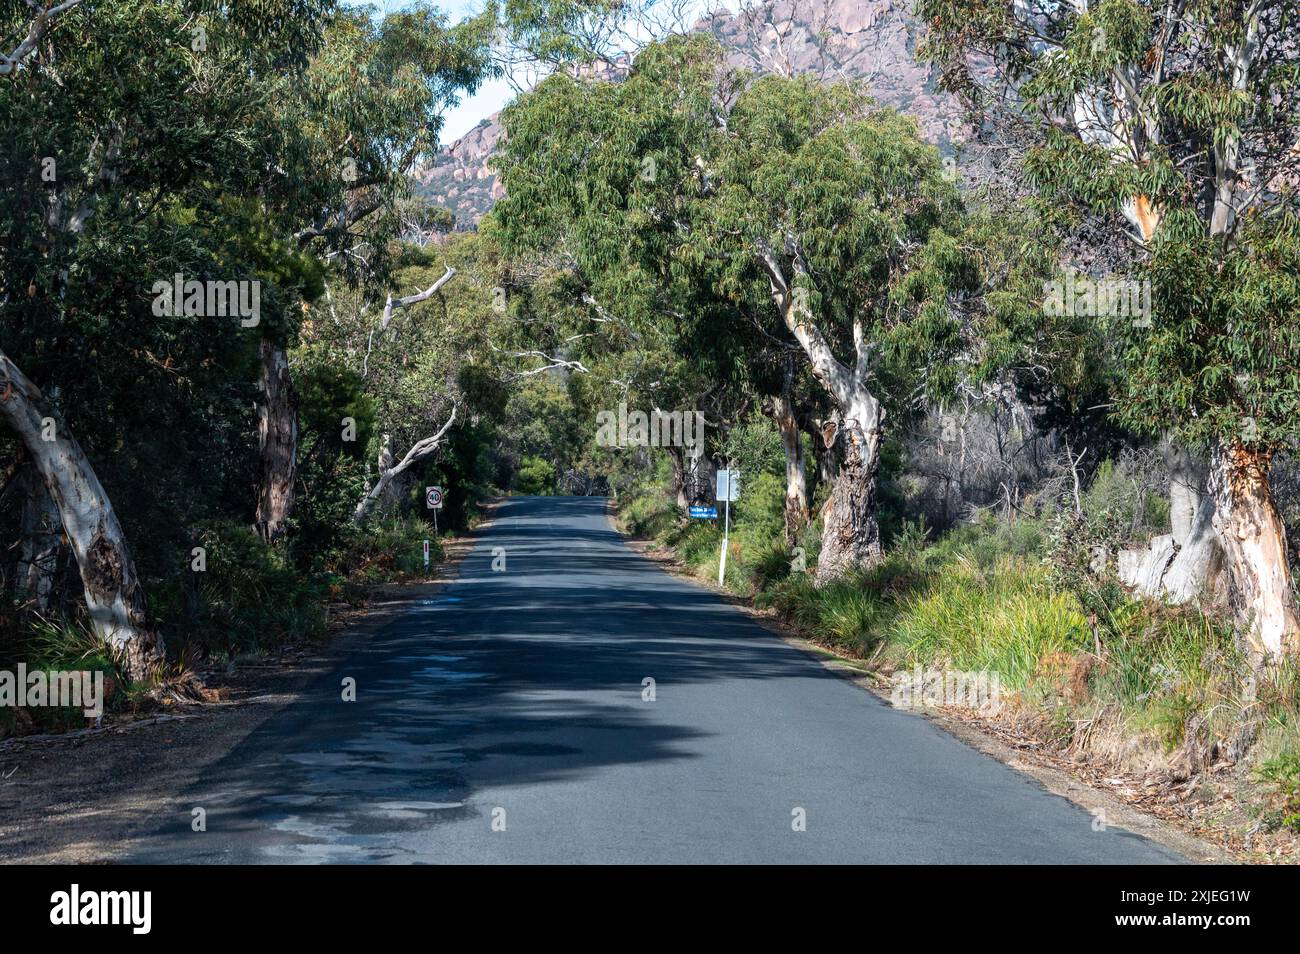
{"x": 122, "y": 121}
{"x": 242, "y": 145}
{"x": 829, "y": 226}
{"x": 842, "y": 219}
{"x": 343, "y": 136}
{"x": 746, "y": 214}
{"x": 1177, "y": 119}
{"x": 590, "y": 168}
{"x": 416, "y": 351}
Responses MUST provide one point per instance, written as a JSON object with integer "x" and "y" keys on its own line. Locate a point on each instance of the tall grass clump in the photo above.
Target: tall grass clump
{"x": 52, "y": 645}
{"x": 1002, "y": 619}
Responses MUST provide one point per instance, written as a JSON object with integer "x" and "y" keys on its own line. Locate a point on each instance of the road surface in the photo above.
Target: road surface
{"x": 504, "y": 721}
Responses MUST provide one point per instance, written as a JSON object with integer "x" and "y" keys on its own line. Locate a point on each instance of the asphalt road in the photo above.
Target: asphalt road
{"x": 504, "y": 721}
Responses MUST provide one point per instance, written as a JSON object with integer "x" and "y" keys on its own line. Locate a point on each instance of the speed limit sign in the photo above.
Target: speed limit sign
{"x": 433, "y": 498}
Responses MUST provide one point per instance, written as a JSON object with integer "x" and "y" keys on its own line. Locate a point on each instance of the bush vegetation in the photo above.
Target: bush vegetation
{"x": 1085, "y": 664}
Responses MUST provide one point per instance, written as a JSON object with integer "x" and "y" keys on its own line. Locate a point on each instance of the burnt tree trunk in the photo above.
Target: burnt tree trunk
{"x": 677, "y": 458}
{"x": 277, "y": 436}
{"x": 827, "y": 462}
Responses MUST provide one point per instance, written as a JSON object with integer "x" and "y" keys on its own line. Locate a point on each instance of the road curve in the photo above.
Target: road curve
{"x": 504, "y": 721}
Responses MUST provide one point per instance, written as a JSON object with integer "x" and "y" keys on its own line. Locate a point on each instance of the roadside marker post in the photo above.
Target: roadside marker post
{"x": 728, "y": 490}
{"x": 426, "y": 554}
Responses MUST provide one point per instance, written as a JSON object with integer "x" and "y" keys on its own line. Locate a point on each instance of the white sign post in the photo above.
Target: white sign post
{"x": 426, "y": 554}
{"x": 432, "y": 500}
{"x": 728, "y": 490}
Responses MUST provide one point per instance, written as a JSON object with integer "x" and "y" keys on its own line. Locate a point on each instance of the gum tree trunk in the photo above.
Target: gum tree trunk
{"x": 1198, "y": 566}
{"x": 1255, "y": 551}
{"x": 1187, "y": 563}
{"x": 677, "y": 457}
{"x": 1187, "y": 474}
{"x": 418, "y": 452}
{"x": 113, "y": 595}
{"x": 850, "y": 533}
{"x": 277, "y": 435}
{"x": 796, "y": 484}
{"x": 1196, "y": 569}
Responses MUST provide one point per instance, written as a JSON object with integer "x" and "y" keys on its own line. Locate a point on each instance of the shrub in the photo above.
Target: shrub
{"x": 51, "y": 645}
{"x": 248, "y": 597}
{"x": 386, "y": 549}
{"x": 536, "y": 477}
{"x": 648, "y": 514}
{"x": 1284, "y": 772}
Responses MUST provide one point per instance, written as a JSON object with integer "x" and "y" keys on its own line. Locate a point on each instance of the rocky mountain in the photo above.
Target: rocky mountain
{"x": 873, "y": 41}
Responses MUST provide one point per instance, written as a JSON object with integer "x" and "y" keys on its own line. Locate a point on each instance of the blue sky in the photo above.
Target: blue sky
{"x": 496, "y": 93}
{"x": 490, "y": 97}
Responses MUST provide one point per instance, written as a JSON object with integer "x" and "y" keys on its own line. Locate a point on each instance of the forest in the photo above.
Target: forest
{"x": 1023, "y": 402}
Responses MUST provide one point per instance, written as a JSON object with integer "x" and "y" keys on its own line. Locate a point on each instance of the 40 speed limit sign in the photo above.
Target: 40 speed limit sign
{"x": 433, "y": 498}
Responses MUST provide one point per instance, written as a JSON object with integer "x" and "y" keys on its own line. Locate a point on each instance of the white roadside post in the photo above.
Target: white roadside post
{"x": 426, "y": 554}
{"x": 728, "y": 490}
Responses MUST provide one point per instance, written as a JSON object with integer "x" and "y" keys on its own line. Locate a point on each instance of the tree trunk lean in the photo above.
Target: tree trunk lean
{"x": 1255, "y": 550}
{"x": 277, "y": 434}
{"x": 390, "y": 472}
{"x": 114, "y": 598}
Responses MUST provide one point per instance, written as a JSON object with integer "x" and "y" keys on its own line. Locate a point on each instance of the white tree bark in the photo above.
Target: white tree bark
{"x": 392, "y": 304}
{"x": 36, "y": 30}
{"x": 1255, "y": 550}
{"x": 796, "y": 483}
{"x": 1186, "y": 489}
{"x": 114, "y": 598}
{"x": 850, "y": 533}
{"x": 418, "y": 452}
{"x": 1198, "y": 568}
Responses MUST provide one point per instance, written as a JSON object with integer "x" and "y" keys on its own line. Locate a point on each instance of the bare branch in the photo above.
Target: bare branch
{"x": 40, "y": 25}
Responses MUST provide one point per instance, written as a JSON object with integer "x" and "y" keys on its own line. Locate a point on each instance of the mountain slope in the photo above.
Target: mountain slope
{"x": 873, "y": 41}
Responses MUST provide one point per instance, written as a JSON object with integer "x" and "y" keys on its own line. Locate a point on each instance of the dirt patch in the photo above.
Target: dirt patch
{"x": 74, "y": 797}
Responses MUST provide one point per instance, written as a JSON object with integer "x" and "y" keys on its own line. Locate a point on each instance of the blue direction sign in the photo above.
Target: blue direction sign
{"x": 709, "y": 513}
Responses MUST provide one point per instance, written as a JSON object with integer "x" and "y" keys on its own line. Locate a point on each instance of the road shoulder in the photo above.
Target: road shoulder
{"x": 1024, "y": 755}
{"x": 77, "y": 797}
